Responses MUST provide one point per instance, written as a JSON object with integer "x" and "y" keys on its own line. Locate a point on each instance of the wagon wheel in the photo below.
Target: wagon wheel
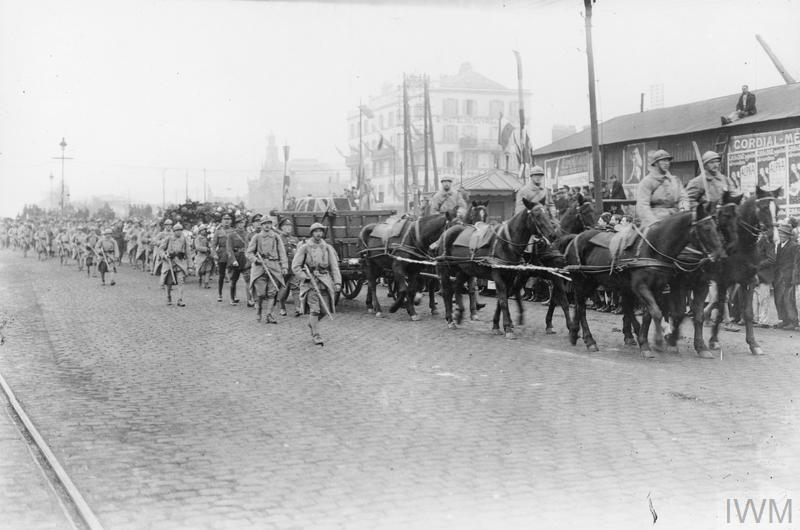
{"x": 351, "y": 288}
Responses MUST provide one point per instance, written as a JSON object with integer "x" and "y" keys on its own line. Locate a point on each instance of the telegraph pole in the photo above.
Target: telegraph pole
{"x": 596, "y": 176}
{"x": 63, "y": 145}
{"x": 405, "y": 143}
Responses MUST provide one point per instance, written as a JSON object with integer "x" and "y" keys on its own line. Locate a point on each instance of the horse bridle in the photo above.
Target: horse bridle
{"x": 693, "y": 233}
{"x": 756, "y": 231}
{"x": 530, "y": 213}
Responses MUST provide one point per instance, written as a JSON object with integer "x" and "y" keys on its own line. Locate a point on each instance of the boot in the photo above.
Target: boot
{"x": 234, "y": 300}
{"x": 270, "y": 317}
{"x": 169, "y": 295}
{"x": 313, "y": 324}
{"x": 259, "y": 306}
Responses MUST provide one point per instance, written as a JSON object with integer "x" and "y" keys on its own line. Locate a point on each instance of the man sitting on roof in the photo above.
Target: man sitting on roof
{"x": 746, "y": 106}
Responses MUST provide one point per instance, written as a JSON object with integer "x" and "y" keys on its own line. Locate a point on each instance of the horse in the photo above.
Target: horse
{"x": 505, "y": 246}
{"x": 756, "y": 215}
{"x": 642, "y": 273}
{"x": 696, "y": 281}
{"x": 411, "y": 243}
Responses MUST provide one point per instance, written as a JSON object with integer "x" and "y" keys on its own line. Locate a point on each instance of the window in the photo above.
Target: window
{"x": 450, "y": 159}
{"x": 469, "y": 131}
{"x": 450, "y": 134}
{"x": 470, "y": 107}
{"x": 513, "y": 111}
{"x": 450, "y": 107}
{"x": 496, "y": 108}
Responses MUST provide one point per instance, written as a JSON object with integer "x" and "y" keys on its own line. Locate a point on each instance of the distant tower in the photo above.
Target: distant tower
{"x": 657, "y": 96}
{"x": 272, "y": 161}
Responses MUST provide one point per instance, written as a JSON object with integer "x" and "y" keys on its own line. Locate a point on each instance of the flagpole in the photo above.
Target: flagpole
{"x": 360, "y": 149}
{"x": 522, "y": 137}
{"x": 405, "y": 144}
{"x": 596, "y": 176}
{"x": 431, "y": 139}
{"x": 425, "y": 132}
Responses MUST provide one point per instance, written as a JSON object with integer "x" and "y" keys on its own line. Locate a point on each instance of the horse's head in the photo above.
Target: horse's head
{"x": 704, "y": 231}
{"x": 727, "y": 216}
{"x": 477, "y": 213}
{"x": 767, "y": 211}
{"x": 538, "y": 220}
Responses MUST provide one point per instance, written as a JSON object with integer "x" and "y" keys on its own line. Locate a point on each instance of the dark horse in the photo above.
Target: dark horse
{"x": 410, "y": 244}
{"x": 643, "y": 272}
{"x": 505, "y": 248}
{"x": 756, "y": 215}
{"x": 695, "y": 278}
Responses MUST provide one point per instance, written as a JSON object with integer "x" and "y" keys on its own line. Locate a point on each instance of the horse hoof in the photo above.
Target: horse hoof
{"x": 551, "y": 331}
{"x": 647, "y": 354}
{"x": 714, "y": 345}
{"x": 414, "y": 318}
{"x": 573, "y": 339}
{"x": 434, "y": 311}
{"x": 496, "y": 331}
{"x": 451, "y": 325}
{"x": 474, "y": 317}
{"x": 630, "y": 341}
{"x": 510, "y": 335}
{"x": 705, "y": 354}
{"x": 592, "y": 348}
{"x": 757, "y": 351}
{"x": 378, "y": 315}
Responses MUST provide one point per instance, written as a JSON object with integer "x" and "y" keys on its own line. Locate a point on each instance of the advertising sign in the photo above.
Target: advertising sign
{"x": 633, "y": 168}
{"x": 768, "y": 160}
{"x": 570, "y": 170}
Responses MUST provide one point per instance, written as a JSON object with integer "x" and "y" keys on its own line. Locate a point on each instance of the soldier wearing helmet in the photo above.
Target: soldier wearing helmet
{"x": 533, "y": 191}
{"x": 319, "y": 259}
{"x": 107, "y": 251}
{"x": 660, "y": 193}
{"x": 219, "y": 252}
{"x": 175, "y": 249}
{"x": 715, "y": 181}
{"x": 447, "y": 199}
{"x": 203, "y": 263}
{"x": 268, "y": 266}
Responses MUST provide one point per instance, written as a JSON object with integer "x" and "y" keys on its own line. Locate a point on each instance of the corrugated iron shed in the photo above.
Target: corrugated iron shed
{"x": 772, "y": 103}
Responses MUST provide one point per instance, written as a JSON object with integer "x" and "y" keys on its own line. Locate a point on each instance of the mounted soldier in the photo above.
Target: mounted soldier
{"x": 659, "y": 194}
{"x": 268, "y": 266}
{"x": 716, "y": 182}
{"x": 448, "y": 200}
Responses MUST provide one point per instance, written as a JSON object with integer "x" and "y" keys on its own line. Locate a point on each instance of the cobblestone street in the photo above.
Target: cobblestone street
{"x": 199, "y": 417}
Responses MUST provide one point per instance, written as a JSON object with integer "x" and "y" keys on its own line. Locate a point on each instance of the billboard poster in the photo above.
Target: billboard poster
{"x": 570, "y": 170}
{"x": 633, "y": 168}
{"x": 765, "y": 160}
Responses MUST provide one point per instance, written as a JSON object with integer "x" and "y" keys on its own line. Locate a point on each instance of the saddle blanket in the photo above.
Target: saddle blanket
{"x": 391, "y": 227}
{"x": 475, "y": 237}
{"x": 617, "y": 242}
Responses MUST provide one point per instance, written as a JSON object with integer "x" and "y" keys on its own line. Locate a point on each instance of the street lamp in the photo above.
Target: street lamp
{"x": 285, "y": 176}
{"x": 52, "y": 201}
{"x": 63, "y": 145}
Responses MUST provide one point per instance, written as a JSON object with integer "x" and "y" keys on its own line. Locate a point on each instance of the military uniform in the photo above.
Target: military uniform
{"x": 235, "y": 246}
{"x": 203, "y": 263}
{"x": 447, "y": 201}
{"x": 219, "y": 242}
{"x": 175, "y": 250}
{"x": 716, "y": 182}
{"x": 321, "y": 261}
{"x": 291, "y": 283}
{"x": 107, "y": 251}
{"x": 659, "y": 195}
{"x": 268, "y": 264}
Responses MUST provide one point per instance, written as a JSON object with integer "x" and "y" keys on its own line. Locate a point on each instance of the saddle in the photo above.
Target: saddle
{"x": 475, "y": 237}
{"x": 390, "y": 228}
{"x": 616, "y": 243}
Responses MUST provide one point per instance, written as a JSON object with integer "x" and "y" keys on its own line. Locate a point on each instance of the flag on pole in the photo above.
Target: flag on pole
{"x": 366, "y": 111}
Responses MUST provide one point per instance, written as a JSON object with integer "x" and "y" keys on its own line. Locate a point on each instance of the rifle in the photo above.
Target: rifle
{"x": 702, "y": 168}
{"x": 268, "y": 273}
{"x": 315, "y": 285}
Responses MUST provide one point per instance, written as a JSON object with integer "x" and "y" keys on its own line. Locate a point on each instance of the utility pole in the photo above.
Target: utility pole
{"x": 52, "y": 197}
{"x": 425, "y": 132}
{"x": 430, "y": 130}
{"x": 63, "y": 145}
{"x": 596, "y": 176}
{"x": 285, "y": 176}
{"x": 523, "y": 139}
{"x": 405, "y": 144}
{"x": 787, "y": 77}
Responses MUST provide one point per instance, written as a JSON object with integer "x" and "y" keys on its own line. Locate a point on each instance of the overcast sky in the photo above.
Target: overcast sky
{"x": 144, "y": 88}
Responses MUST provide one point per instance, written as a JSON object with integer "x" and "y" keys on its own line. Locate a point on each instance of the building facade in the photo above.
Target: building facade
{"x": 466, "y": 111}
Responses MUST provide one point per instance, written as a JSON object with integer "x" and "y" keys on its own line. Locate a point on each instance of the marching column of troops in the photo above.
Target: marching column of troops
{"x": 273, "y": 265}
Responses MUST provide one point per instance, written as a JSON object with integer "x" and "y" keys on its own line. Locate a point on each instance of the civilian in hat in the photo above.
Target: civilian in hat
{"x": 219, "y": 252}
{"x": 787, "y": 276}
{"x": 715, "y": 181}
{"x": 268, "y": 266}
{"x": 108, "y": 254}
{"x": 319, "y": 259}
{"x": 175, "y": 249}
{"x": 659, "y": 194}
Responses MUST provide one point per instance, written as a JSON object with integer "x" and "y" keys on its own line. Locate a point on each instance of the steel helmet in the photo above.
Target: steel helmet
{"x": 446, "y": 178}
{"x": 316, "y": 226}
{"x": 267, "y": 219}
{"x": 168, "y": 222}
{"x": 177, "y": 226}
{"x": 537, "y": 170}
{"x": 107, "y": 232}
{"x": 710, "y": 156}
{"x": 660, "y": 155}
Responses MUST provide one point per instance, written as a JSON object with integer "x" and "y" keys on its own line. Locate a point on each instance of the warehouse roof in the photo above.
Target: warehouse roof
{"x": 772, "y": 103}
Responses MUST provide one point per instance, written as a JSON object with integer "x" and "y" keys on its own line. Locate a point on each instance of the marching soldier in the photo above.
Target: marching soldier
{"x": 716, "y": 181}
{"x": 291, "y": 284}
{"x": 89, "y": 251}
{"x": 219, "y": 242}
{"x": 202, "y": 258}
{"x": 269, "y": 265}
{"x": 317, "y": 266}
{"x": 237, "y": 263}
{"x": 107, "y": 251}
{"x": 659, "y": 194}
{"x": 158, "y": 239}
{"x": 175, "y": 266}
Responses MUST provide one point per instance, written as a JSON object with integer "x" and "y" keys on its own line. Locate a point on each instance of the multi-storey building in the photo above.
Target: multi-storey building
{"x": 466, "y": 111}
